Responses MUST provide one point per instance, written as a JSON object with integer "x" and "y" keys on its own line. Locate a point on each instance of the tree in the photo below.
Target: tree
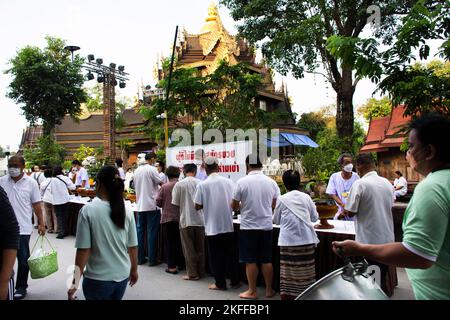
{"x": 374, "y": 108}
{"x": 83, "y": 152}
{"x": 421, "y": 88}
{"x": 224, "y": 99}
{"x": 46, "y": 83}
{"x": 47, "y": 152}
{"x": 314, "y": 122}
{"x": 2, "y": 152}
{"x": 299, "y": 36}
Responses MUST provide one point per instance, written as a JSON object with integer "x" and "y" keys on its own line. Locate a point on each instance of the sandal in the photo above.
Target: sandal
{"x": 172, "y": 272}
{"x": 190, "y": 278}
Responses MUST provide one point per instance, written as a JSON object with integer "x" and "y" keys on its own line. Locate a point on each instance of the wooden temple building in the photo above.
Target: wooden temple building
{"x": 203, "y": 51}
{"x": 384, "y": 137}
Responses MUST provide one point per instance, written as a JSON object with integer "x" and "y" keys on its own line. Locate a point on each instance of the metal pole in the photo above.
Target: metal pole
{"x": 166, "y": 122}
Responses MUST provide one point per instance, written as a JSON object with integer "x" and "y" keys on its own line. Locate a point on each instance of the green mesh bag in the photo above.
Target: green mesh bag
{"x": 43, "y": 263}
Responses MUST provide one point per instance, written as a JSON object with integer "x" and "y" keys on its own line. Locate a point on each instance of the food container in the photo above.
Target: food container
{"x": 351, "y": 282}
{"x": 326, "y": 209}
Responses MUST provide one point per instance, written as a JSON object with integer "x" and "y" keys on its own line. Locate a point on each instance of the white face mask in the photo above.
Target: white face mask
{"x": 14, "y": 172}
{"x": 348, "y": 167}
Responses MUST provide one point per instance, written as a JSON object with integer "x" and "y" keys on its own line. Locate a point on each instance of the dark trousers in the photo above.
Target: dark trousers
{"x": 22, "y": 262}
{"x": 148, "y": 221}
{"x": 62, "y": 213}
{"x": 172, "y": 244}
{"x": 104, "y": 290}
{"x": 223, "y": 259}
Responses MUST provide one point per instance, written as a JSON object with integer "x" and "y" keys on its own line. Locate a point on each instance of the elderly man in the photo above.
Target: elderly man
{"x": 370, "y": 202}
{"x": 256, "y": 196}
{"x": 146, "y": 184}
{"x": 24, "y": 196}
{"x": 214, "y": 196}
{"x": 425, "y": 249}
{"x": 340, "y": 184}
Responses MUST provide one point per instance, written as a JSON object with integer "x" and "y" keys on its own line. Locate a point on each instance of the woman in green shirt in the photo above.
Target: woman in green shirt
{"x": 106, "y": 242}
{"x": 425, "y": 250}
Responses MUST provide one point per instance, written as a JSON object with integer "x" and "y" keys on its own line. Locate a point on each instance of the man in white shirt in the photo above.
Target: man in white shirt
{"x": 400, "y": 185}
{"x": 59, "y": 188}
{"x": 82, "y": 179}
{"x": 146, "y": 183}
{"x": 256, "y": 196}
{"x": 214, "y": 196}
{"x": 24, "y": 196}
{"x": 200, "y": 161}
{"x": 38, "y": 176}
{"x": 192, "y": 229}
{"x": 340, "y": 184}
{"x": 370, "y": 202}
{"x": 119, "y": 164}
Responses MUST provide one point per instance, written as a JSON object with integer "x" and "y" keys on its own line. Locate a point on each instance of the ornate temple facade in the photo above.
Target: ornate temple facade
{"x": 202, "y": 51}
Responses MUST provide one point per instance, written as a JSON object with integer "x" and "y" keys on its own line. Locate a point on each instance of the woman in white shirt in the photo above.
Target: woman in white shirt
{"x": 60, "y": 187}
{"x": 295, "y": 212}
{"x": 400, "y": 185}
{"x": 47, "y": 202}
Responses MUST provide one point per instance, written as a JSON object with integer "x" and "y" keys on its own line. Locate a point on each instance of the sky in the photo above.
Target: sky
{"x": 130, "y": 33}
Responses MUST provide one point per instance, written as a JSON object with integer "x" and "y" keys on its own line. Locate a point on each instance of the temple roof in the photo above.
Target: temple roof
{"x": 386, "y": 132}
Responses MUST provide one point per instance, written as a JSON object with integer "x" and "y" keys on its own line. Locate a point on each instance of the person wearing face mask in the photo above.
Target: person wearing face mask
{"x": 340, "y": 184}
{"x": 24, "y": 196}
{"x": 425, "y": 248}
{"x": 370, "y": 201}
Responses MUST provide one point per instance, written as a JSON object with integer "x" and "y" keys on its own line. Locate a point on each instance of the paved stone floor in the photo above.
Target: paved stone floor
{"x": 153, "y": 284}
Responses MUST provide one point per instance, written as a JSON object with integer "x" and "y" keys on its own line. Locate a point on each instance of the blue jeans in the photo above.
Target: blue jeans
{"x": 148, "y": 221}
{"x": 104, "y": 290}
{"x": 22, "y": 262}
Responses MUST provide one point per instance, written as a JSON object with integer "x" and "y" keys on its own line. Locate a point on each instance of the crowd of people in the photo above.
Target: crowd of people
{"x": 191, "y": 212}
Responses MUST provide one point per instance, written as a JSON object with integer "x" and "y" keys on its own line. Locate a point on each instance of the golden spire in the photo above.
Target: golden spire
{"x": 213, "y": 12}
{"x": 213, "y": 22}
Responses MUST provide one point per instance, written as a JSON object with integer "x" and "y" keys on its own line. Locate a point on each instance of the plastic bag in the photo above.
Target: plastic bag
{"x": 42, "y": 263}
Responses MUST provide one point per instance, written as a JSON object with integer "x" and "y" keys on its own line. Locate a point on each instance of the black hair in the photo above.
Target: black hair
{"x": 43, "y": 167}
{"x": 109, "y": 178}
{"x": 399, "y": 173}
{"x": 162, "y": 164}
{"x": 48, "y": 173}
{"x": 340, "y": 160}
{"x": 119, "y": 162}
{"x": 57, "y": 171}
{"x": 190, "y": 168}
{"x": 434, "y": 129}
{"x": 76, "y": 163}
{"x": 150, "y": 155}
{"x": 251, "y": 163}
{"x": 365, "y": 159}
{"x": 172, "y": 172}
{"x": 20, "y": 158}
{"x": 291, "y": 180}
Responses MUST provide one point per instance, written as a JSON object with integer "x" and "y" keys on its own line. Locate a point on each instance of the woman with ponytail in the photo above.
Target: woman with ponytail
{"x": 106, "y": 242}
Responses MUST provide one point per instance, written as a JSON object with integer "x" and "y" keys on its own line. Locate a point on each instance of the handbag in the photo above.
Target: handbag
{"x": 42, "y": 263}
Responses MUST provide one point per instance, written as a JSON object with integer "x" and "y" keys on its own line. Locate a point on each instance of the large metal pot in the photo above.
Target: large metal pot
{"x": 351, "y": 282}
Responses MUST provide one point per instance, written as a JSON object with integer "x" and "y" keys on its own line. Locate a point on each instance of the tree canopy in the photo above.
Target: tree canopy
{"x": 326, "y": 37}
{"x": 47, "y": 152}
{"x": 46, "y": 83}
{"x": 375, "y": 108}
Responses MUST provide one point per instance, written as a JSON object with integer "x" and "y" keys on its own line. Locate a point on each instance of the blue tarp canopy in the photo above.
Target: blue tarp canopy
{"x": 289, "y": 139}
